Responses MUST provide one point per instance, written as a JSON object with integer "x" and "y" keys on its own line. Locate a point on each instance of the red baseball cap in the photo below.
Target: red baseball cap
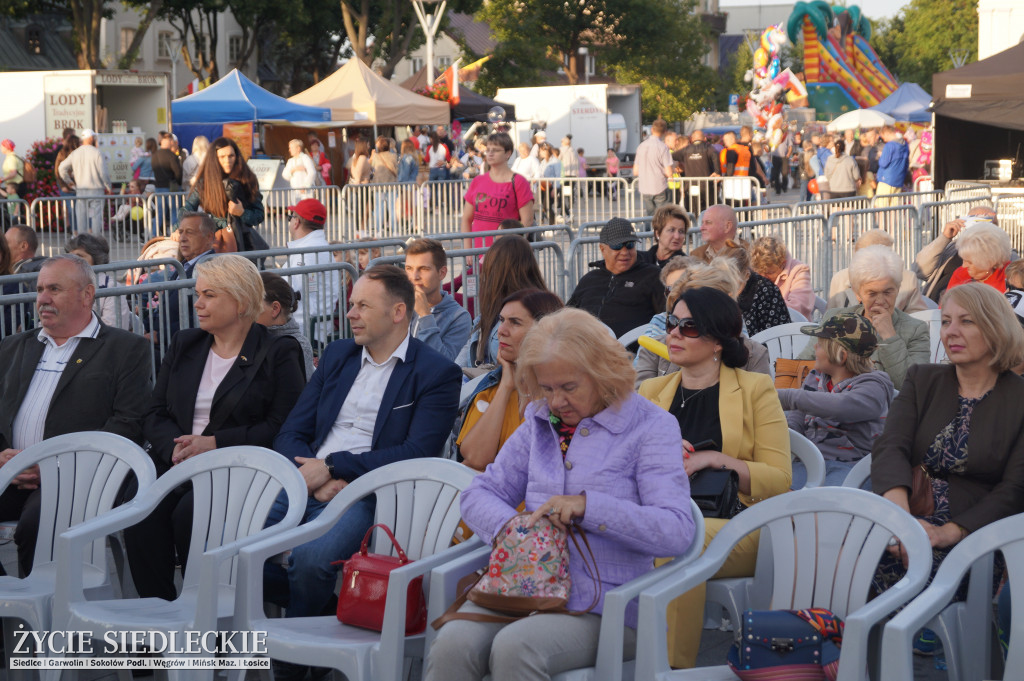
{"x": 310, "y": 209}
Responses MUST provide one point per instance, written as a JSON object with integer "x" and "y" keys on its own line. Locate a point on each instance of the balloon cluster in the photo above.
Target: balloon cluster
{"x": 772, "y": 87}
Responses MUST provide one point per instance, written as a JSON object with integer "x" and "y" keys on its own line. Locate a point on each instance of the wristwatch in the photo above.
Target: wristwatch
{"x": 330, "y": 466}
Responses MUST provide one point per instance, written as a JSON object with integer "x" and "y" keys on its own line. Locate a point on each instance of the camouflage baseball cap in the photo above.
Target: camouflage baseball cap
{"x": 854, "y": 332}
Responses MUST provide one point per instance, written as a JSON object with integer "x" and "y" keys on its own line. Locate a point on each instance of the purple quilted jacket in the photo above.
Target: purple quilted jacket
{"x": 628, "y": 459}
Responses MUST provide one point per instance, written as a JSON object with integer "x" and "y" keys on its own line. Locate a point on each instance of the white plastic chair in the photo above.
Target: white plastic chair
{"x": 934, "y": 320}
{"x": 419, "y": 500}
{"x": 826, "y": 544}
{"x": 859, "y": 474}
{"x": 234, "y": 489}
{"x": 80, "y": 478}
{"x": 784, "y": 340}
{"x": 820, "y": 306}
{"x": 632, "y": 336}
{"x": 810, "y": 456}
{"x": 932, "y": 305}
{"x": 610, "y": 666}
{"x": 733, "y": 593}
{"x": 796, "y": 315}
{"x": 967, "y": 624}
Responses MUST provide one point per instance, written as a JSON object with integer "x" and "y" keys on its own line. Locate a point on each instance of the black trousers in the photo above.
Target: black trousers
{"x": 22, "y": 505}
{"x": 159, "y": 543}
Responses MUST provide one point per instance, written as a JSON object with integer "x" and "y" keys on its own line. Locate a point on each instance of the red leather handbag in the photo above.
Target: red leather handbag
{"x": 364, "y": 588}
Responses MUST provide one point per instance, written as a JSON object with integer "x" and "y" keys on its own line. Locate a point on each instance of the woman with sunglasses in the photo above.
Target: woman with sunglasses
{"x": 496, "y": 195}
{"x": 735, "y": 418}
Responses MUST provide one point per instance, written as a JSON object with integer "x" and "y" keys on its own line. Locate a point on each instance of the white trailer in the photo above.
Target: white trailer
{"x": 41, "y": 104}
{"x": 599, "y": 117}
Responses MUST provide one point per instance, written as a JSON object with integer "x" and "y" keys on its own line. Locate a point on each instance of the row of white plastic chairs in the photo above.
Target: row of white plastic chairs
{"x": 824, "y": 545}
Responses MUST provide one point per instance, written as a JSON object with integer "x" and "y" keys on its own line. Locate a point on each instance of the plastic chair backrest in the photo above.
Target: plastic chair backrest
{"x": 859, "y": 474}
{"x": 810, "y": 456}
{"x": 934, "y": 320}
{"x": 796, "y": 315}
{"x": 632, "y": 336}
{"x": 233, "y": 491}
{"x": 784, "y": 340}
{"x": 80, "y": 476}
{"x": 419, "y": 501}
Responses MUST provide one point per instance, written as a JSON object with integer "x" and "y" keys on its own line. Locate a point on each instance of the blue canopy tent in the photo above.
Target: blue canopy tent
{"x": 236, "y": 99}
{"x": 908, "y": 103}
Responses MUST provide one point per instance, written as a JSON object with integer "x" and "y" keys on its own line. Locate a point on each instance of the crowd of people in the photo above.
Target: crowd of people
{"x": 562, "y": 412}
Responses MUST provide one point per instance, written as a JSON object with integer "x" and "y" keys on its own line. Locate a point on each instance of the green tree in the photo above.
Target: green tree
{"x": 657, "y": 43}
{"x": 917, "y": 42}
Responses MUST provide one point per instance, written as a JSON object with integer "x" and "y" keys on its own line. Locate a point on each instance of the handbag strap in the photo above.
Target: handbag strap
{"x": 387, "y": 530}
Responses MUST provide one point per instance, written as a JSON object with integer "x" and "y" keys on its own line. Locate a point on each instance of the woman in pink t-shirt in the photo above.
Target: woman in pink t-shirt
{"x": 496, "y": 195}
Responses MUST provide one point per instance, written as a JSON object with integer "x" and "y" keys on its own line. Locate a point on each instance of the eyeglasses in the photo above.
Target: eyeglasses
{"x": 686, "y": 327}
{"x": 625, "y": 244}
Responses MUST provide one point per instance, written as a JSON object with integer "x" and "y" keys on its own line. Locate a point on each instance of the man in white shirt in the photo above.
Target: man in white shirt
{"x": 374, "y": 400}
{"x": 318, "y": 291}
{"x": 85, "y": 170}
{"x": 652, "y": 168}
{"x": 74, "y": 375}
{"x": 439, "y": 321}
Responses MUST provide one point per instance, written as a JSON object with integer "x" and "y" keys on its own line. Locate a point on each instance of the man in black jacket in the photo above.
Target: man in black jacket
{"x": 700, "y": 160}
{"x": 621, "y": 292}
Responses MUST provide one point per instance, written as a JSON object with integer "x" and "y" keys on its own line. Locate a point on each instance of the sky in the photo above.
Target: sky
{"x": 873, "y": 9}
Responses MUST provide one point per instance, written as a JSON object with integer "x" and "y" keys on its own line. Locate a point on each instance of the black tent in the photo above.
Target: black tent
{"x": 979, "y": 115}
{"x": 472, "y": 106}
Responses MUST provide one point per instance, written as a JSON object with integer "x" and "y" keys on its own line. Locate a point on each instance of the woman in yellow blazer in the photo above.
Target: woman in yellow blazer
{"x": 715, "y": 401}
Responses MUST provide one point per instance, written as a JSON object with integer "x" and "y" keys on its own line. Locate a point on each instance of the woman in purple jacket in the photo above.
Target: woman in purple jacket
{"x": 590, "y": 452}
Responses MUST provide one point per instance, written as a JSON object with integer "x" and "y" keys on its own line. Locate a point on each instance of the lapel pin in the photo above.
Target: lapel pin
{"x": 78, "y": 361}
{"x": 244, "y": 359}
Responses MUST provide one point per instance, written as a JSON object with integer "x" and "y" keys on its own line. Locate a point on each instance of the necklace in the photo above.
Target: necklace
{"x": 683, "y": 396}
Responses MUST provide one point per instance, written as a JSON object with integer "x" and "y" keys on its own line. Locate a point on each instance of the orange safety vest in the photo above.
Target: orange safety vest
{"x": 742, "y": 168}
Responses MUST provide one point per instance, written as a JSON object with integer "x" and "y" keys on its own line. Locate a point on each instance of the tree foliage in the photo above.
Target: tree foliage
{"x": 656, "y": 43}
{"x": 916, "y": 43}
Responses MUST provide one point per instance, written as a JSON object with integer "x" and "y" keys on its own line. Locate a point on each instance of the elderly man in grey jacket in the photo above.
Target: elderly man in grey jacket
{"x": 85, "y": 172}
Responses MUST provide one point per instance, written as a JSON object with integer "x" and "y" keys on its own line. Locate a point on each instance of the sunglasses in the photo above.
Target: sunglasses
{"x": 625, "y": 244}
{"x": 686, "y": 327}
{"x": 292, "y": 216}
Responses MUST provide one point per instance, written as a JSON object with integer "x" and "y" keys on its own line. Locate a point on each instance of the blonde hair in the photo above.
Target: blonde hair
{"x": 992, "y": 314}
{"x": 238, "y": 278}
{"x": 720, "y": 274}
{"x": 985, "y": 245}
{"x": 873, "y": 237}
{"x": 767, "y": 253}
{"x": 839, "y": 354}
{"x": 578, "y": 338}
{"x": 1015, "y": 274}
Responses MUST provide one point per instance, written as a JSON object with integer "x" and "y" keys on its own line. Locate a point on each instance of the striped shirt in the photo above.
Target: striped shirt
{"x": 30, "y": 423}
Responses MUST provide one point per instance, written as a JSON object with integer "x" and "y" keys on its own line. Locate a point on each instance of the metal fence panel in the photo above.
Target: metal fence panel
{"x": 578, "y": 200}
{"x": 901, "y": 222}
{"x": 826, "y": 208}
{"x": 1010, "y": 211}
{"x": 586, "y": 249}
{"x": 805, "y": 239}
{"x": 961, "y": 189}
{"x": 934, "y": 214}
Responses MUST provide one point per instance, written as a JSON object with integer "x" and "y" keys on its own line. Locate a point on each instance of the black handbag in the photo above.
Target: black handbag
{"x": 716, "y": 492}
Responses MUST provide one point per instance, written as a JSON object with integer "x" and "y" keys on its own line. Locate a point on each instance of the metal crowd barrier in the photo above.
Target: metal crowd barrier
{"x": 805, "y": 239}
{"x": 439, "y": 210}
{"x": 640, "y": 224}
{"x": 933, "y": 215}
{"x": 826, "y": 208}
{"x": 14, "y": 212}
{"x": 578, "y": 200}
{"x": 695, "y": 194}
{"x": 773, "y": 211}
{"x": 901, "y": 222}
{"x": 915, "y": 198}
{"x": 962, "y": 187}
{"x": 323, "y": 305}
{"x": 1010, "y": 211}
{"x": 346, "y": 252}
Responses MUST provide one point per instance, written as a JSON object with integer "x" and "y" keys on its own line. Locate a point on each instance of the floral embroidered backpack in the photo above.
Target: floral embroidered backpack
{"x": 528, "y": 573}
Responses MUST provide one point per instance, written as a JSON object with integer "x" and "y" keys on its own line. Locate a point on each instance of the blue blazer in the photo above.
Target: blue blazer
{"x": 415, "y": 417}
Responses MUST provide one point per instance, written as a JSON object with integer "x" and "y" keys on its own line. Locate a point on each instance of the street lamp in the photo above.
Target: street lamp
{"x": 429, "y": 23}
{"x": 583, "y": 51}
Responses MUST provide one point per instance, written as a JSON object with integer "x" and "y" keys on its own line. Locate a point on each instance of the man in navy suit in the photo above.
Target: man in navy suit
{"x": 380, "y": 398}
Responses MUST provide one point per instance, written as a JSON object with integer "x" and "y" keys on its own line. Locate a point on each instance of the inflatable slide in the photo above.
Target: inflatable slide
{"x": 841, "y": 70}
